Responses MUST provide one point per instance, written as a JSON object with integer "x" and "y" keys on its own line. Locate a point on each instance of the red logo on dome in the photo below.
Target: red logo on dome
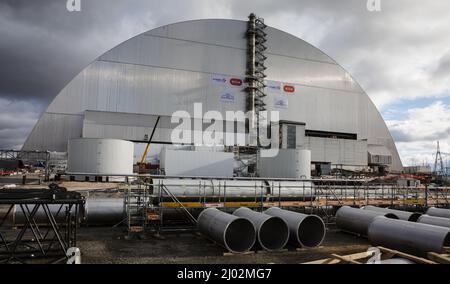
{"x": 236, "y": 82}
{"x": 289, "y": 89}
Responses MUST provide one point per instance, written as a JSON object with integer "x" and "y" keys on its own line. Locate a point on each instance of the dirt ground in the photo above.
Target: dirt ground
{"x": 108, "y": 245}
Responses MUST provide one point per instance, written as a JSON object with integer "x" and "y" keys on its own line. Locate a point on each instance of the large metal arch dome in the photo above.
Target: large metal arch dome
{"x": 171, "y": 67}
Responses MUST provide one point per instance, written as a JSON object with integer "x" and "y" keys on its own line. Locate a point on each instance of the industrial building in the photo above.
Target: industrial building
{"x": 255, "y": 189}
{"x": 122, "y": 93}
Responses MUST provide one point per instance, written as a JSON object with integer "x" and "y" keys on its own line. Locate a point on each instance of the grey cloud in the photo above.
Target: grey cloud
{"x": 17, "y": 118}
{"x": 43, "y": 46}
{"x": 443, "y": 68}
{"x": 401, "y": 136}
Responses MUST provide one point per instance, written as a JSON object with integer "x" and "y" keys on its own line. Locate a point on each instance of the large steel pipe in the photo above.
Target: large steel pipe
{"x": 272, "y": 232}
{"x": 236, "y": 234}
{"x": 438, "y": 212}
{"x": 231, "y": 190}
{"x": 304, "y": 230}
{"x": 95, "y": 212}
{"x": 437, "y": 221}
{"x": 16, "y": 216}
{"x": 409, "y": 237}
{"x": 357, "y": 221}
{"x": 402, "y": 215}
{"x": 104, "y": 211}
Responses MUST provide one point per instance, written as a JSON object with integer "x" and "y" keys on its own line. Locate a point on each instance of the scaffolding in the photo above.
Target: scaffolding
{"x": 143, "y": 210}
{"x": 150, "y": 200}
{"x": 46, "y": 221}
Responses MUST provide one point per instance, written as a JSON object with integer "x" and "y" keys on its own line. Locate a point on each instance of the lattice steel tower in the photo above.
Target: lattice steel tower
{"x": 438, "y": 162}
{"x": 255, "y": 76}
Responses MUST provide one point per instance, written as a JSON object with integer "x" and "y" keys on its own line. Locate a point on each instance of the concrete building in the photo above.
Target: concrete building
{"x": 121, "y": 94}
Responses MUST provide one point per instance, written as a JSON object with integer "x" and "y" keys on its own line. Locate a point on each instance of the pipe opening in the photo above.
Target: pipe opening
{"x": 391, "y": 216}
{"x": 414, "y": 217}
{"x": 447, "y": 240}
{"x": 273, "y": 234}
{"x": 311, "y": 231}
{"x": 240, "y": 235}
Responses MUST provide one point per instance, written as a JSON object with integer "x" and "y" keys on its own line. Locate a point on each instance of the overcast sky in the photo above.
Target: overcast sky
{"x": 400, "y": 55}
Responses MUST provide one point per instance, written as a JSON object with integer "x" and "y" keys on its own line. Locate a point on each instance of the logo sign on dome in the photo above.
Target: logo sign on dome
{"x": 236, "y": 82}
{"x": 219, "y": 79}
{"x": 281, "y": 103}
{"x": 288, "y": 88}
{"x": 227, "y": 97}
{"x": 273, "y": 86}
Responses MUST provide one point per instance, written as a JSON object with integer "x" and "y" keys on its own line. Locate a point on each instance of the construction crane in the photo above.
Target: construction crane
{"x": 144, "y": 155}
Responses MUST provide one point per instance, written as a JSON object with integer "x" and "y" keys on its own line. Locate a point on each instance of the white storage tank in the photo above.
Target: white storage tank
{"x": 304, "y": 163}
{"x": 100, "y": 156}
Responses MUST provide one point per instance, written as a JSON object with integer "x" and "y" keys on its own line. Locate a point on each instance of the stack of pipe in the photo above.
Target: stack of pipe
{"x": 273, "y": 228}
{"x": 409, "y": 237}
{"x": 436, "y": 216}
{"x": 438, "y": 212}
{"x": 402, "y": 215}
{"x": 305, "y": 230}
{"x": 437, "y": 221}
{"x": 355, "y": 220}
{"x": 236, "y": 234}
{"x": 394, "y": 229}
{"x": 272, "y": 232}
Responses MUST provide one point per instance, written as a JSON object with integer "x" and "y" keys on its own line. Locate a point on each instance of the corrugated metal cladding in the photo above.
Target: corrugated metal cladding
{"x": 171, "y": 67}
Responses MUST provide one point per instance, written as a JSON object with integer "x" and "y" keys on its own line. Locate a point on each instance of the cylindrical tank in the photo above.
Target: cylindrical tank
{"x": 432, "y": 220}
{"x": 272, "y": 232}
{"x": 304, "y": 163}
{"x": 410, "y": 237}
{"x": 100, "y": 156}
{"x": 402, "y": 215}
{"x": 236, "y": 234}
{"x": 357, "y": 221}
{"x": 305, "y": 230}
{"x": 438, "y": 212}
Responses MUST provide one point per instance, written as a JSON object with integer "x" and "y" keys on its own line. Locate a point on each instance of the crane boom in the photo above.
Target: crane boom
{"x": 144, "y": 155}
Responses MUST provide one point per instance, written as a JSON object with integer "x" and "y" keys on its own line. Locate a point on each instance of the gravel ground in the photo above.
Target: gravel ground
{"x": 108, "y": 245}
